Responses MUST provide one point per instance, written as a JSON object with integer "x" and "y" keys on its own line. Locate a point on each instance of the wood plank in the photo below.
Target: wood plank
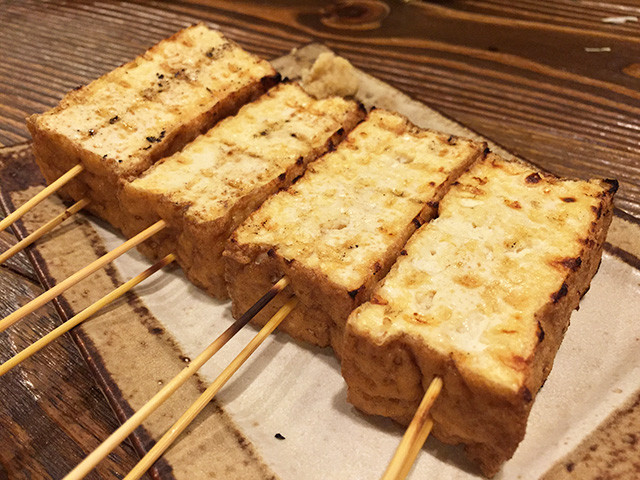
{"x": 52, "y": 412}
{"x": 517, "y": 74}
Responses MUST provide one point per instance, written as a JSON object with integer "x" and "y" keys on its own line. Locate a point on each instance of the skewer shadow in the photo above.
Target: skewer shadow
{"x": 60, "y": 230}
{"x": 449, "y": 454}
{"x": 255, "y": 367}
{"x": 136, "y": 295}
{"x": 236, "y": 387}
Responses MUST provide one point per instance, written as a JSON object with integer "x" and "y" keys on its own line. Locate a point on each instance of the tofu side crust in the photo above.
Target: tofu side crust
{"x": 120, "y": 124}
{"x": 205, "y": 191}
{"x": 483, "y": 299}
{"x": 337, "y": 231}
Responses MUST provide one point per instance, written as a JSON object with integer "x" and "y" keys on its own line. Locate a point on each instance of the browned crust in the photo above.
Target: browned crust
{"x": 55, "y": 154}
{"x": 323, "y": 306}
{"x": 391, "y": 379}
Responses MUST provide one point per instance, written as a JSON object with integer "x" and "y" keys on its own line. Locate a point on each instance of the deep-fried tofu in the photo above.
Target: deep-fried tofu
{"x": 482, "y": 298}
{"x": 120, "y": 124}
{"x": 337, "y": 231}
{"x": 212, "y": 185}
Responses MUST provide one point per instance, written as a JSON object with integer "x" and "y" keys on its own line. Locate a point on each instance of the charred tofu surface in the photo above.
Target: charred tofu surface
{"x": 338, "y": 229}
{"x": 120, "y": 124}
{"x": 482, "y": 298}
{"x": 206, "y": 190}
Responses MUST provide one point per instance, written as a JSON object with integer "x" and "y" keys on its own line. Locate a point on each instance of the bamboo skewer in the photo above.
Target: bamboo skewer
{"x": 39, "y": 197}
{"x": 82, "y": 316}
{"x": 204, "y": 399}
{"x": 401, "y": 463}
{"x": 80, "y": 275}
{"x": 414, "y": 450}
{"x": 44, "y": 229}
{"x": 84, "y": 467}
{"x": 415, "y": 435}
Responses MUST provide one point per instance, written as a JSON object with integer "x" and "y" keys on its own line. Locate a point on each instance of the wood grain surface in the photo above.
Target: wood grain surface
{"x": 548, "y": 80}
{"x": 53, "y": 411}
{"x": 521, "y": 73}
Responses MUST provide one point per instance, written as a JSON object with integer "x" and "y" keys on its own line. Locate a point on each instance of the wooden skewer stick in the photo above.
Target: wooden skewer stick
{"x": 158, "y": 399}
{"x": 83, "y": 315}
{"x": 36, "y": 199}
{"x": 80, "y": 275}
{"x": 204, "y": 399}
{"x": 44, "y": 229}
{"x": 415, "y": 435}
{"x": 422, "y": 436}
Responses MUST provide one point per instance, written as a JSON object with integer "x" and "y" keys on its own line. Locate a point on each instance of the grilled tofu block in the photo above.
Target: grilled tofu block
{"x": 337, "y": 231}
{"x": 212, "y": 185}
{"x": 119, "y": 125}
{"x": 481, "y": 298}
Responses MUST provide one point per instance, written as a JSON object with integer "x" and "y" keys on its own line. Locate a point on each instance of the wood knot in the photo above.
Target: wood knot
{"x": 355, "y": 14}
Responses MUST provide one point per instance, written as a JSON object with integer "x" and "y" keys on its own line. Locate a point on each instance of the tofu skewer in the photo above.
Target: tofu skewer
{"x": 337, "y": 231}
{"x": 106, "y": 447}
{"x": 481, "y": 300}
{"x": 119, "y": 125}
{"x": 105, "y": 134}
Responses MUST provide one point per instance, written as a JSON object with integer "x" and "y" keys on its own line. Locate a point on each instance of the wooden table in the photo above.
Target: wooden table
{"x": 555, "y": 82}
